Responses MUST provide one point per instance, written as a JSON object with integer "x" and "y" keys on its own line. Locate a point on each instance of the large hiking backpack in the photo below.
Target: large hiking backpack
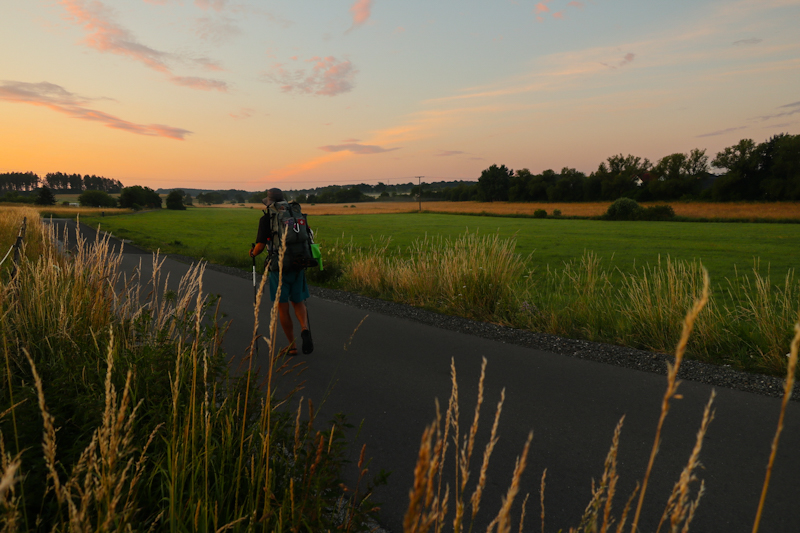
{"x": 290, "y": 225}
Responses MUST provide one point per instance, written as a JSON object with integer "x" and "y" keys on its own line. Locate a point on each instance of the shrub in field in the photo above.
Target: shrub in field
{"x": 540, "y": 213}
{"x": 117, "y": 411}
{"x": 556, "y": 212}
{"x": 657, "y": 212}
{"x": 96, "y": 199}
{"x": 175, "y": 201}
{"x": 624, "y": 209}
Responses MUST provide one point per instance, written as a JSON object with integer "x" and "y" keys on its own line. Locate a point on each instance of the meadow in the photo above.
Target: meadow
{"x": 626, "y": 283}
{"x": 224, "y": 236}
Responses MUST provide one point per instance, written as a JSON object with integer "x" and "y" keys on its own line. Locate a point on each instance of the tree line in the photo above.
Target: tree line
{"x": 768, "y": 171}
{"x": 22, "y": 182}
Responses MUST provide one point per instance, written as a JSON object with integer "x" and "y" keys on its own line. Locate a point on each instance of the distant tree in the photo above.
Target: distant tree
{"x": 301, "y": 198}
{"x": 44, "y": 196}
{"x": 211, "y": 198}
{"x": 138, "y": 196}
{"x": 175, "y": 201}
{"x": 96, "y": 199}
{"x": 494, "y": 183}
{"x": 569, "y": 186}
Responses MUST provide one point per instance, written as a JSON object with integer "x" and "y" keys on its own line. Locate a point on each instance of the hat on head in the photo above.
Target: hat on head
{"x": 273, "y": 195}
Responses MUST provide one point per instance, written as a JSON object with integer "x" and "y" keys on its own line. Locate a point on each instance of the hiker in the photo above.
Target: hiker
{"x": 294, "y": 288}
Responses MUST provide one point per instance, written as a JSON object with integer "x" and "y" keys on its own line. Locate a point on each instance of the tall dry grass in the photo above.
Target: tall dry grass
{"x": 117, "y": 411}
{"x": 472, "y": 274}
{"x": 747, "y": 323}
{"x": 430, "y": 508}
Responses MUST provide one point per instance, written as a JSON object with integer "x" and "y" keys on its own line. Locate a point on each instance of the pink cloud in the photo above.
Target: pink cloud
{"x": 361, "y": 11}
{"x": 202, "y": 84}
{"x": 245, "y": 112}
{"x": 541, "y": 8}
{"x": 558, "y": 15}
{"x": 627, "y": 58}
{"x": 106, "y": 36}
{"x": 579, "y": 5}
{"x": 355, "y": 148}
{"x": 328, "y": 77}
{"x": 58, "y": 99}
{"x": 539, "y": 18}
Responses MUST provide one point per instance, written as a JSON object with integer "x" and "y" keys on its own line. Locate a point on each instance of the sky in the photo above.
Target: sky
{"x": 251, "y": 94}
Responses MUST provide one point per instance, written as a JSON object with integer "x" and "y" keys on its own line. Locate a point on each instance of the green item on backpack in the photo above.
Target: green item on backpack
{"x": 290, "y": 225}
{"x": 317, "y": 254}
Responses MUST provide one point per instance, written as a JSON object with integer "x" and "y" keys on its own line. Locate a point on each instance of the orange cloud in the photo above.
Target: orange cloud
{"x": 361, "y": 11}
{"x": 199, "y": 83}
{"x": 541, "y": 8}
{"x": 58, "y": 99}
{"x": 290, "y": 170}
{"x": 328, "y": 77}
{"x": 245, "y": 112}
{"x": 355, "y": 148}
{"x": 106, "y": 36}
{"x": 558, "y": 15}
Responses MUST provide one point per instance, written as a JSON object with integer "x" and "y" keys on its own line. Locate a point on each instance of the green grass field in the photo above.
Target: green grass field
{"x": 224, "y": 236}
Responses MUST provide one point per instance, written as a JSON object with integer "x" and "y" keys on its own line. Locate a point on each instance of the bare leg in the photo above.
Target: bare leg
{"x": 301, "y": 312}
{"x": 286, "y": 322}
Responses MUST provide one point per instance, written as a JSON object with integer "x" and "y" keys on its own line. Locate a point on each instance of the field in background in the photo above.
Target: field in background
{"x": 734, "y": 210}
{"x": 224, "y": 236}
{"x": 59, "y": 211}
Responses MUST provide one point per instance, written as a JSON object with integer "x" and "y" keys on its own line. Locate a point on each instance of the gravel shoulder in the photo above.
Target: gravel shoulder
{"x": 718, "y": 376}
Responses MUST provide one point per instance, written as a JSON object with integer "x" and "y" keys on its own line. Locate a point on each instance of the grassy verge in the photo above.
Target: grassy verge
{"x": 117, "y": 411}
{"x": 627, "y": 283}
{"x": 747, "y": 325}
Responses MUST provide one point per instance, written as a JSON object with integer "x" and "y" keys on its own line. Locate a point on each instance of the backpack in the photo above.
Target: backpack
{"x": 289, "y": 224}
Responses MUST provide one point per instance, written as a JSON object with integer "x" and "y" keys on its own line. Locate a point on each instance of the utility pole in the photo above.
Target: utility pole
{"x": 419, "y": 193}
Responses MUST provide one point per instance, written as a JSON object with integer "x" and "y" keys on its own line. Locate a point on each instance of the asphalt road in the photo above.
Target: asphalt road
{"x": 385, "y": 378}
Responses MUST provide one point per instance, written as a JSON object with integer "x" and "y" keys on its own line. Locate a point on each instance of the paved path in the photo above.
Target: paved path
{"x": 391, "y": 371}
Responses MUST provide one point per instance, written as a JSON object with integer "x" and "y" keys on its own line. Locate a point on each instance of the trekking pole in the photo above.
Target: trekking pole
{"x": 255, "y": 291}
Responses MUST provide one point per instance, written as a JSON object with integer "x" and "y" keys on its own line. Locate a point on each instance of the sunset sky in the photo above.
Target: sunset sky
{"x": 255, "y": 93}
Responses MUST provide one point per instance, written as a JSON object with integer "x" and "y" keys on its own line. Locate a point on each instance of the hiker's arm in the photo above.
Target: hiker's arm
{"x": 259, "y": 247}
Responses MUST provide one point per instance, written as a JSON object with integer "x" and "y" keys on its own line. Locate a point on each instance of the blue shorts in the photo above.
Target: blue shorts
{"x": 294, "y": 287}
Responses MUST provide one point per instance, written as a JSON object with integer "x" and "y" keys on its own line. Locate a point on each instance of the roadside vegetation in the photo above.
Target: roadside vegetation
{"x": 625, "y": 282}
{"x": 118, "y": 412}
{"x": 747, "y": 325}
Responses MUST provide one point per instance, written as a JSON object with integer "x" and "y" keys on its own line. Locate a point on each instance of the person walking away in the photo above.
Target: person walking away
{"x": 294, "y": 288}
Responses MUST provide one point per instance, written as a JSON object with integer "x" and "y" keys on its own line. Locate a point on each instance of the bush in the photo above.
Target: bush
{"x": 44, "y": 196}
{"x": 96, "y": 199}
{"x": 540, "y": 213}
{"x": 556, "y": 212}
{"x": 658, "y": 212}
{"x": 137, "y": 197}
{"x": 175, "y": 201}
{"x": 624, "y": 209}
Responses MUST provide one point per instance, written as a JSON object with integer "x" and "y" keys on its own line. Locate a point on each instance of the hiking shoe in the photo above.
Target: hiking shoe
{"x": 308, "y": 343}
